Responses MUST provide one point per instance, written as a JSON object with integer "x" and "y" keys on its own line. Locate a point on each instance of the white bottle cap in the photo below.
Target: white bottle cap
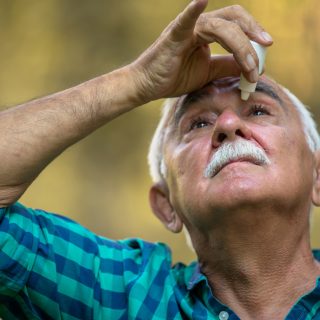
{"x": 245, "y": 86}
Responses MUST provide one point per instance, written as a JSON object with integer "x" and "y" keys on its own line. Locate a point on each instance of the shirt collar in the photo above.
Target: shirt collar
{"x": 316, "y": 254}
{"x": 196, "y": 277}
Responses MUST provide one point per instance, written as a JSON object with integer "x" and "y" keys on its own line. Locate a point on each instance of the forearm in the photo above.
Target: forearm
{"x": 33, "y": 134}
{"x": 178, "y": 62}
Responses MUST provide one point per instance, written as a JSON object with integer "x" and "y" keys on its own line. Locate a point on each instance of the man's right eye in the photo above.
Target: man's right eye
{"x": 199, "y": 123}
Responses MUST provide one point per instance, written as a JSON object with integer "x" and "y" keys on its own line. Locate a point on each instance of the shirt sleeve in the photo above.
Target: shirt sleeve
{"x": 53, "y": 268}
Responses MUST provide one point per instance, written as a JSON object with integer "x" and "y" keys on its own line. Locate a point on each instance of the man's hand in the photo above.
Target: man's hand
{"x": 180, "y": 60}
{"x": 34, "y": 133}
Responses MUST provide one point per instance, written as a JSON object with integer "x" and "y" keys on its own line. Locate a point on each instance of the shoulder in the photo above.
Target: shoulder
{"x": 39, "y": 226}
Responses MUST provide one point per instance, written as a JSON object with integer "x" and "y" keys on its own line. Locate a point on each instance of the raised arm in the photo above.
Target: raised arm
{"x": 34, "y": 133}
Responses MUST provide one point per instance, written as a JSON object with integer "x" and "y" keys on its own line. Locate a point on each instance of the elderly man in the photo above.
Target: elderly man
{"x": 221, "y": 168}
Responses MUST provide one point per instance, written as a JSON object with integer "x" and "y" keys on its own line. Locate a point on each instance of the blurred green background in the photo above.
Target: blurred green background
{"x": 103, "y": 181}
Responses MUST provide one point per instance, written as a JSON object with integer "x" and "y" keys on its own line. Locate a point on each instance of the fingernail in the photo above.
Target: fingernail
{"x": 266, "y": 36}
{"x": 254, "y": 76}
{"x": 251, "y": 63}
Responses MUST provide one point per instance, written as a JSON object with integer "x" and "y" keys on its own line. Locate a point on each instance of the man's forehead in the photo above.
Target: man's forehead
{"x": 265, "y": 85}
{"x": 229, "y": 83}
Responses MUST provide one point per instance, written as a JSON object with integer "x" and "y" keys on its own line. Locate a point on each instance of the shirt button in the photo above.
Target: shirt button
{"x": 223, "y": 315}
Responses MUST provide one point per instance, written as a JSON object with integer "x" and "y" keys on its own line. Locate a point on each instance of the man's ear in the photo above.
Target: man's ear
{"x": 162, "y": 208}
{"x": 316, "y": 180}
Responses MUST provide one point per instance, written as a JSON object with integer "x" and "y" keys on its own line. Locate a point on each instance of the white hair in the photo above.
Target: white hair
{"x": 308, "y": 124}
{"x": 155, "y": 157}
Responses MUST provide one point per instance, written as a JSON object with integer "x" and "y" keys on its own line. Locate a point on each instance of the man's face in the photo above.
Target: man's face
{"x": 203, "y": 121}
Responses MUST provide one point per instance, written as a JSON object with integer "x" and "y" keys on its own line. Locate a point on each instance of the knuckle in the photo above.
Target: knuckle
{"x": 216, "y": 24}
{"x": 241, "y": 49}
{"x": 236, "y": 9}
{"x": 203, "y": 26}
{"x": 177, "y": 22}
{"x": 168, "y": 29}
{"x": 202, "y": 21}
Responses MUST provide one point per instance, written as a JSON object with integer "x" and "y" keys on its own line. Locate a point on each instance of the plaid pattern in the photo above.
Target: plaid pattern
{"x": 53, "y": 268}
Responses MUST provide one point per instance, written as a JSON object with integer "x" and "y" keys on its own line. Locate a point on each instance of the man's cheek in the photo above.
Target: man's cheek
{"x": 191, "y": 165}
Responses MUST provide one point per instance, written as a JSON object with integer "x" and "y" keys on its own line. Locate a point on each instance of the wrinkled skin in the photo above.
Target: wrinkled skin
{"x": 249, "y": 223}
{"x": 276, "y": 129}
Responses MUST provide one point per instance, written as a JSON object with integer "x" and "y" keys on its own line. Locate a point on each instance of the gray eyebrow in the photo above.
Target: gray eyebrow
{"x": 196, "y": 96}
{"x": 186, "y": 102}
{"x": 269, "y": 91}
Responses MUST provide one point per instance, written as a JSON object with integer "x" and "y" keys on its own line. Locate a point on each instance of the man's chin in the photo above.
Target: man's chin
{"x": 238, "y": 181}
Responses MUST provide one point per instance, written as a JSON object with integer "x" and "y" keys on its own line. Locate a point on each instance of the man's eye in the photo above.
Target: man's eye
{"x": 198, "y": 124}
{"x": 259, "y": 110}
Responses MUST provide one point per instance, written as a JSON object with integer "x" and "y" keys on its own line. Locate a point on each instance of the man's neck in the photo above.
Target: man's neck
{"x": 258, "y": 266}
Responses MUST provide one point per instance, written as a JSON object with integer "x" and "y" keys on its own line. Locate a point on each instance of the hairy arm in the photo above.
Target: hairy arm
{"x": 34, "y": 133}
{"x": 179, "y": 61}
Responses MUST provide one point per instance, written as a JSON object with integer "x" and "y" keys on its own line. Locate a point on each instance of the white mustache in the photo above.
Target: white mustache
{"x": 232, "y": 151}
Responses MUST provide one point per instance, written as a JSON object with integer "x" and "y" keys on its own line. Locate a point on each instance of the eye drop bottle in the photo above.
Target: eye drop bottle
{"x": 245, "y": 86}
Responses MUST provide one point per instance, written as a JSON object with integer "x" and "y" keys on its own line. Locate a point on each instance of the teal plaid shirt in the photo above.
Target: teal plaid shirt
{"x": 53, "y": 268}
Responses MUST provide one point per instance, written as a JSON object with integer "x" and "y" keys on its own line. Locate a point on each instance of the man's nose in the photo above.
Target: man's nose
{"x": 229, "y": 127}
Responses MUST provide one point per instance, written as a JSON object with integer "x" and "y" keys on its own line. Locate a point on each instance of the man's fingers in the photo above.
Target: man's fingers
{"x": 247, "y": 23}
{"x": 232, "y": 27}
{"x": 233, "y": 39}
{"x": 184, "y": 24}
